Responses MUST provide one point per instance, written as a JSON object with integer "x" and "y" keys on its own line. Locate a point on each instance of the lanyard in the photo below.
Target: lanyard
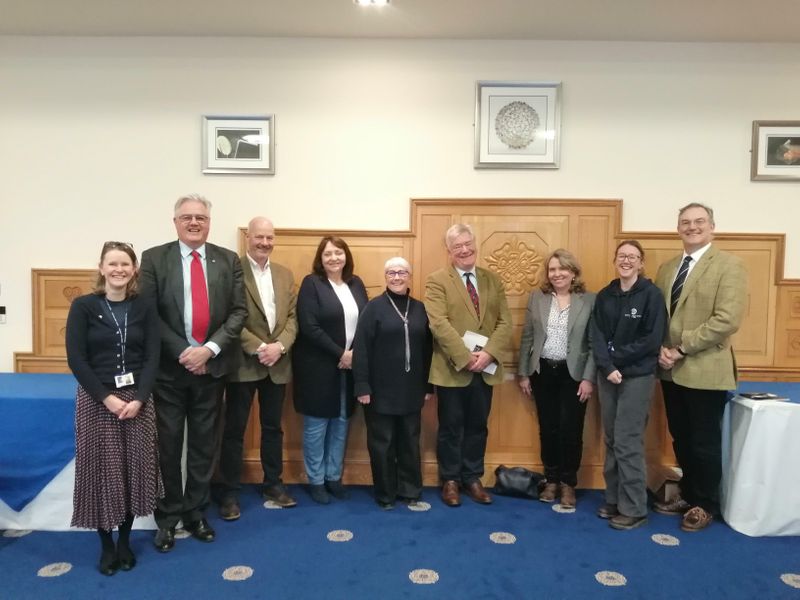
{"x": 123, "y": 333}
{"x": 404, "y": 317}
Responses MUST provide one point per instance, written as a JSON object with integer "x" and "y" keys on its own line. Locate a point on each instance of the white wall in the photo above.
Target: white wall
{"x": 99, "y": 136}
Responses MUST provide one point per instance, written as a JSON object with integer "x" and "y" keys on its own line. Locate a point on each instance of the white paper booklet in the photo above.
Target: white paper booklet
{"x": 475, "y": 342}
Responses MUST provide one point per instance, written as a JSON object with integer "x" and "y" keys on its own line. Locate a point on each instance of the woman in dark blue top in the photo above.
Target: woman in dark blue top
{"x": 113, "y": 350}
{"x": 627, "y": 330}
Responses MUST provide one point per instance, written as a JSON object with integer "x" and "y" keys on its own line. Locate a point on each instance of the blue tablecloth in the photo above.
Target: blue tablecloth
{"x": 37, "y": 433}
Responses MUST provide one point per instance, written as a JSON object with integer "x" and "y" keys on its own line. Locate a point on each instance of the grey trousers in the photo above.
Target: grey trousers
{"x": 624, "y": 409}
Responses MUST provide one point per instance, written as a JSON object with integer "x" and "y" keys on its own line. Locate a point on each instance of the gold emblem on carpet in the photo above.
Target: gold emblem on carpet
{"x": 54, "y": 569}
{"x": 503, "y": 537}
{"x": 237, "y": 573}
{"x": 340, "y": 535}
{"x": 610, "y": 578}
{"x": 423, "y": 576}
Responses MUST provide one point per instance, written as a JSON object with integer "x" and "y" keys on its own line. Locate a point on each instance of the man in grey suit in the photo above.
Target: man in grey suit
{"x": 197, "y": 288}
{"x": 264, "y": 365}
{"x": 705, "y": 291}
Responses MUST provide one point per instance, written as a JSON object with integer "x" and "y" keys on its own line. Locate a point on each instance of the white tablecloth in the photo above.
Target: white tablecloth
{"x": 51, "y": 510}
{"x": 761, "y": 467}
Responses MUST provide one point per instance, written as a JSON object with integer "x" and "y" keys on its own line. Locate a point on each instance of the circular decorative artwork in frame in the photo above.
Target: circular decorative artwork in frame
{"x": 516, "y": 124}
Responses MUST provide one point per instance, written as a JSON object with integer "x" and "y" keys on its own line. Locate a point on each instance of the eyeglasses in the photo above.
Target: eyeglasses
{"x": 460, "y": 247}
{"x": 186, "y": 219}
{"x": 110, "y": 245}
{"x": 692, "y": 223}
{"x": 393, "y": 274}
{"x": 628, "y": 257}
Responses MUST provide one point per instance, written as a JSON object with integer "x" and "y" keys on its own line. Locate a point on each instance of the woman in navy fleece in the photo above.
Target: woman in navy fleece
{"x": 627, "y": 330}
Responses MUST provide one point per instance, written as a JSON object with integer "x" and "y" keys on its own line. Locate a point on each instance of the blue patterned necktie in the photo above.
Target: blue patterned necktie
{"x": 473, "y": 293}
{"x": 677, "y": 287}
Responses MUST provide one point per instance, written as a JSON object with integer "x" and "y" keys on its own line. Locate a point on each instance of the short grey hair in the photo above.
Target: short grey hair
{"x": 456, "y": 230}
{"x": 395, "y": 262}
{"x": 706, "y": 208}
{"x": 192, "y": 198}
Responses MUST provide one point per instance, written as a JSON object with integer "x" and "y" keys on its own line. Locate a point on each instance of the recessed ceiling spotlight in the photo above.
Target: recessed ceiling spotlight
{"x": 371, "y": 2}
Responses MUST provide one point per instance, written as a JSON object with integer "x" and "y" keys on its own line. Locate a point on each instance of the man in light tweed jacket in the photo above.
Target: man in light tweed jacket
{"x": 705, "y": 291}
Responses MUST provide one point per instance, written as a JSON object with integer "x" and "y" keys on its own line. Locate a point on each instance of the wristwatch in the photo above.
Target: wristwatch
{"x": 283, "y": 348}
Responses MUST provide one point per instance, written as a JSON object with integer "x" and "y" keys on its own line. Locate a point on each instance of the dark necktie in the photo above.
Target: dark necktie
{"x": 677, "y": 287}
{"x": 200, "y": 313}
{"x": 473, "y": 293}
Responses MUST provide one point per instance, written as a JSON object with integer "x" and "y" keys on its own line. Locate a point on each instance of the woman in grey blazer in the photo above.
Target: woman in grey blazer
{"x": 556, "y": 365}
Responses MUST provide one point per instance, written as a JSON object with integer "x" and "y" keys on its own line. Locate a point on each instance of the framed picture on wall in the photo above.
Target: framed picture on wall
{"x": 239, "y": 144}
{"x": 517, "y": 125}
{"x": 775, "y": 151}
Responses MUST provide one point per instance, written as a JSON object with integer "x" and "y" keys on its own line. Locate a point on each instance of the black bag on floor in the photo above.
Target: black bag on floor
{"x": 517, "y": 481}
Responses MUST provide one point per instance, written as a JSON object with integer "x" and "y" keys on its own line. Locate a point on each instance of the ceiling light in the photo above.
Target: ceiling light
{"x": 371, "y": 2}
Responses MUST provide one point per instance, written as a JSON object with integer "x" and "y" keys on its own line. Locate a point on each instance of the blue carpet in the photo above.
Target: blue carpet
{"x": 554, "y": 555}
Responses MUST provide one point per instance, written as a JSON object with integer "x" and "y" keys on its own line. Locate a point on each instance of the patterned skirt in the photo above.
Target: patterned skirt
{"x": 116, "y": 463}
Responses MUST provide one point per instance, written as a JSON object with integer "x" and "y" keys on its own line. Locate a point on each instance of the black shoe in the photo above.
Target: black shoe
{"x": 337, "y": 490}
{"x": 200, "y": 530}
{"x": 229, "y": 510}
{"x": 108, "y": 563}
{"x": 279, "y": 495}
{"x": 385, "y": 505}
{"x": 165, "y": 539}
{"x": 318, "y": 494}
{"x": 126, "y": 558}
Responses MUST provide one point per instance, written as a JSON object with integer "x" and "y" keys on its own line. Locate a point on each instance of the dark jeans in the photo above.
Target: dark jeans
{"x": 561, "y": 417}
{"x": 695, "y": 424}
{"x": 192, "y": 399}
{"x": 461, "y": 440}
{"x": 238, "y": 399}
{"x": 394, "y": 455}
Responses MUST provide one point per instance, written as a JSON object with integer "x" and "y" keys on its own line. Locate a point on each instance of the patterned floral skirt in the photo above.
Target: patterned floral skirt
{"x": 116, "y": 463}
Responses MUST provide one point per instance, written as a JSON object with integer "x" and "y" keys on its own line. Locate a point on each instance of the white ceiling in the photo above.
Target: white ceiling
{"x": 612, "y": 20}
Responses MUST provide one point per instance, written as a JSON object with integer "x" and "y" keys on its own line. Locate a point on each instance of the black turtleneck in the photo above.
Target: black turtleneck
{"x": 379, "y": 354}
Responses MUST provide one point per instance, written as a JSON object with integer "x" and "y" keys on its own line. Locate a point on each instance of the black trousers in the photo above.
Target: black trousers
{"x": 695, "y": 424}
{"x": 394, "y": 455}
{"x": 461, "y": 440}
{"x": 193, "y": 400}
{"x": 238, "y": 399}
{"x": 561, "y": 417}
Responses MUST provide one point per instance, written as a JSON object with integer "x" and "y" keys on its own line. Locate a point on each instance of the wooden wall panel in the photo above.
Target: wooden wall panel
{"x": 514, "y": 237}
{"x": 53, "y": 292}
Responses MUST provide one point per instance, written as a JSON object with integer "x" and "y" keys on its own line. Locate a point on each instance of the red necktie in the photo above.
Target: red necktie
{"x": 200, "y": 314}
{"x": 473, "y": 293}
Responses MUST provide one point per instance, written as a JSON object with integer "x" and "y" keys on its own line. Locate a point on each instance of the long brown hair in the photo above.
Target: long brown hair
{"x": 316, "y": 266}
{"x": 133, "y": 285}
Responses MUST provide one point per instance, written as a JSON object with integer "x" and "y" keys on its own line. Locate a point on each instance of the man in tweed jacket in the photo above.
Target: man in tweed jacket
{"x": 697, "y": 366}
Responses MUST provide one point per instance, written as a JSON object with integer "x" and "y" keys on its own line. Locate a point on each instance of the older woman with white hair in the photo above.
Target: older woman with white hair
{"x": 391, "y": 360}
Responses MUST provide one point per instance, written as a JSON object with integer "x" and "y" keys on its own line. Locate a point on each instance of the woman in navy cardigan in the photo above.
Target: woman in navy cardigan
{"x": 113, "y": 345}
{"x": 328, "y": 304}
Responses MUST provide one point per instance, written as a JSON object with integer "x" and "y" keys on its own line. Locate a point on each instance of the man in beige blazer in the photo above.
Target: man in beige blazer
{"x": 705, "y": 290}
{"x": 461, "y": 298}
{"x": 264, "y": 365}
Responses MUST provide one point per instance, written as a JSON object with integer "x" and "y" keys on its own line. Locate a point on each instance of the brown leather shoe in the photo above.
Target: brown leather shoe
{"x": 567, "y": 496}
{"x": 279, "y": 495}
{"x": 549, "y": 492}
{"x": 229, "y": 510}
{"x": 696, "y": 519}
{"x": 676, "y": 506}
{"x": 478, "y": 493}
{"x": 450, "y": 493}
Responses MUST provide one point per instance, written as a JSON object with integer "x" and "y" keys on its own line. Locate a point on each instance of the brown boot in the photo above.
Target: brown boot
{"x": 567, "y": 496}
